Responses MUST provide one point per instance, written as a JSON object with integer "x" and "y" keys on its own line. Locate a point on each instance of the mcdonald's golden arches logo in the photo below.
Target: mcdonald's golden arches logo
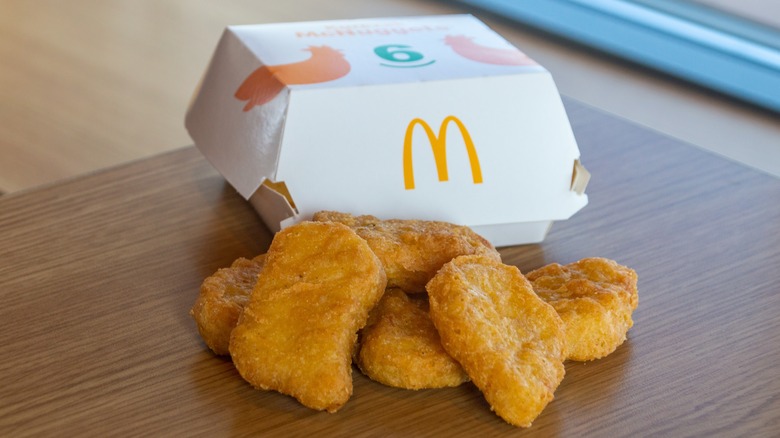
{"x": 439, "y": 147}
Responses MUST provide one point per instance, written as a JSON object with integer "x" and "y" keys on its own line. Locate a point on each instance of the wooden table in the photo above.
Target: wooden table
{"x": 98, "y": 274}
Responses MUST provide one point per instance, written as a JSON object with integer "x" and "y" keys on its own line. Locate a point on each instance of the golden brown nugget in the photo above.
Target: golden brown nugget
{"x": 412, "y": 251}
{"x": 297, "y": 333}
{"x": 509, "y": 341}
{"x": 400, "y": 347}
{"x": 222, "y": 297}
{"x": 595, "y": 298}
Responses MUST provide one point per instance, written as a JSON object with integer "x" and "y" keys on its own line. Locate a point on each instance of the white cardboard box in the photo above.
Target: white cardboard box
{"x": 434, "y": 118}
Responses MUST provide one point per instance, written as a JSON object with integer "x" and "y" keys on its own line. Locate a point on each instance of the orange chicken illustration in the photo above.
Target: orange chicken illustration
{"x": 262, "y": 85}
{"x": 465, "y": 47}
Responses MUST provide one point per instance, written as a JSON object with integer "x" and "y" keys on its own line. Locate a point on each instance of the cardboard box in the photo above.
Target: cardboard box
{"x": 433, "y": 118}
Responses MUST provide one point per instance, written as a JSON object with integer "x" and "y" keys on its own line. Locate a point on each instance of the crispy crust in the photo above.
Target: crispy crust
{"x": 595, "y": 298}
{"x": 412, "y": 251}
{"x": 400, "y": 346}
{"x": 222, "y": 297}
{"x": 509, "y": 341}
{"x": 297, "y": 333}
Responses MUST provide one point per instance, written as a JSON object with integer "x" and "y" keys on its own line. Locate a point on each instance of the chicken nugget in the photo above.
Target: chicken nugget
{"x": 595, "y": 298}
{"x": 509, "y": 341}
{"x": 296, "y": 335}
{"x": 222, "y": 297}
{"x": 412, "y": 251}
{"x": 400, "y": 347}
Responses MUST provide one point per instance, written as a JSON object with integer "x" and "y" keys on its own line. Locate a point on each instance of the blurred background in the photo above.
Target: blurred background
{"x": 88, "y": 84}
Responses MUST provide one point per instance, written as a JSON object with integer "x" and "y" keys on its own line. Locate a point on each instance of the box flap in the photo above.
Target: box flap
{"x": 242, "y": 145}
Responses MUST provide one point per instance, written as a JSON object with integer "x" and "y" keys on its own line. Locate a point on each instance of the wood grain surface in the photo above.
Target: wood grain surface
{"x": 98, "y": 274}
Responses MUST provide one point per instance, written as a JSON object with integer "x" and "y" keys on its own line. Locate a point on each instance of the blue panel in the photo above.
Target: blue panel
{"x": 710, "y": 56}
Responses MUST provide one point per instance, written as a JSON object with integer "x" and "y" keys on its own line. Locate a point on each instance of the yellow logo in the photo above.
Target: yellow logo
{"x": 439, "y": 147}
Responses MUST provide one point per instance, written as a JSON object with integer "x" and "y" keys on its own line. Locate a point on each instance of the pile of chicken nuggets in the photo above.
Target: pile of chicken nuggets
{"x": 415, "y": 305}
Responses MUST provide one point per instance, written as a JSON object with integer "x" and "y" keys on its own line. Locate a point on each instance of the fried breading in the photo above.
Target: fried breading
{"x": 297, "y": 333}
{"x": 412, "y": 251}
{"x": 595, "y": 298}
{"x": 222, "y": 297}
{"x": 400, "y": 347}
{"x": 509, "y": 341}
